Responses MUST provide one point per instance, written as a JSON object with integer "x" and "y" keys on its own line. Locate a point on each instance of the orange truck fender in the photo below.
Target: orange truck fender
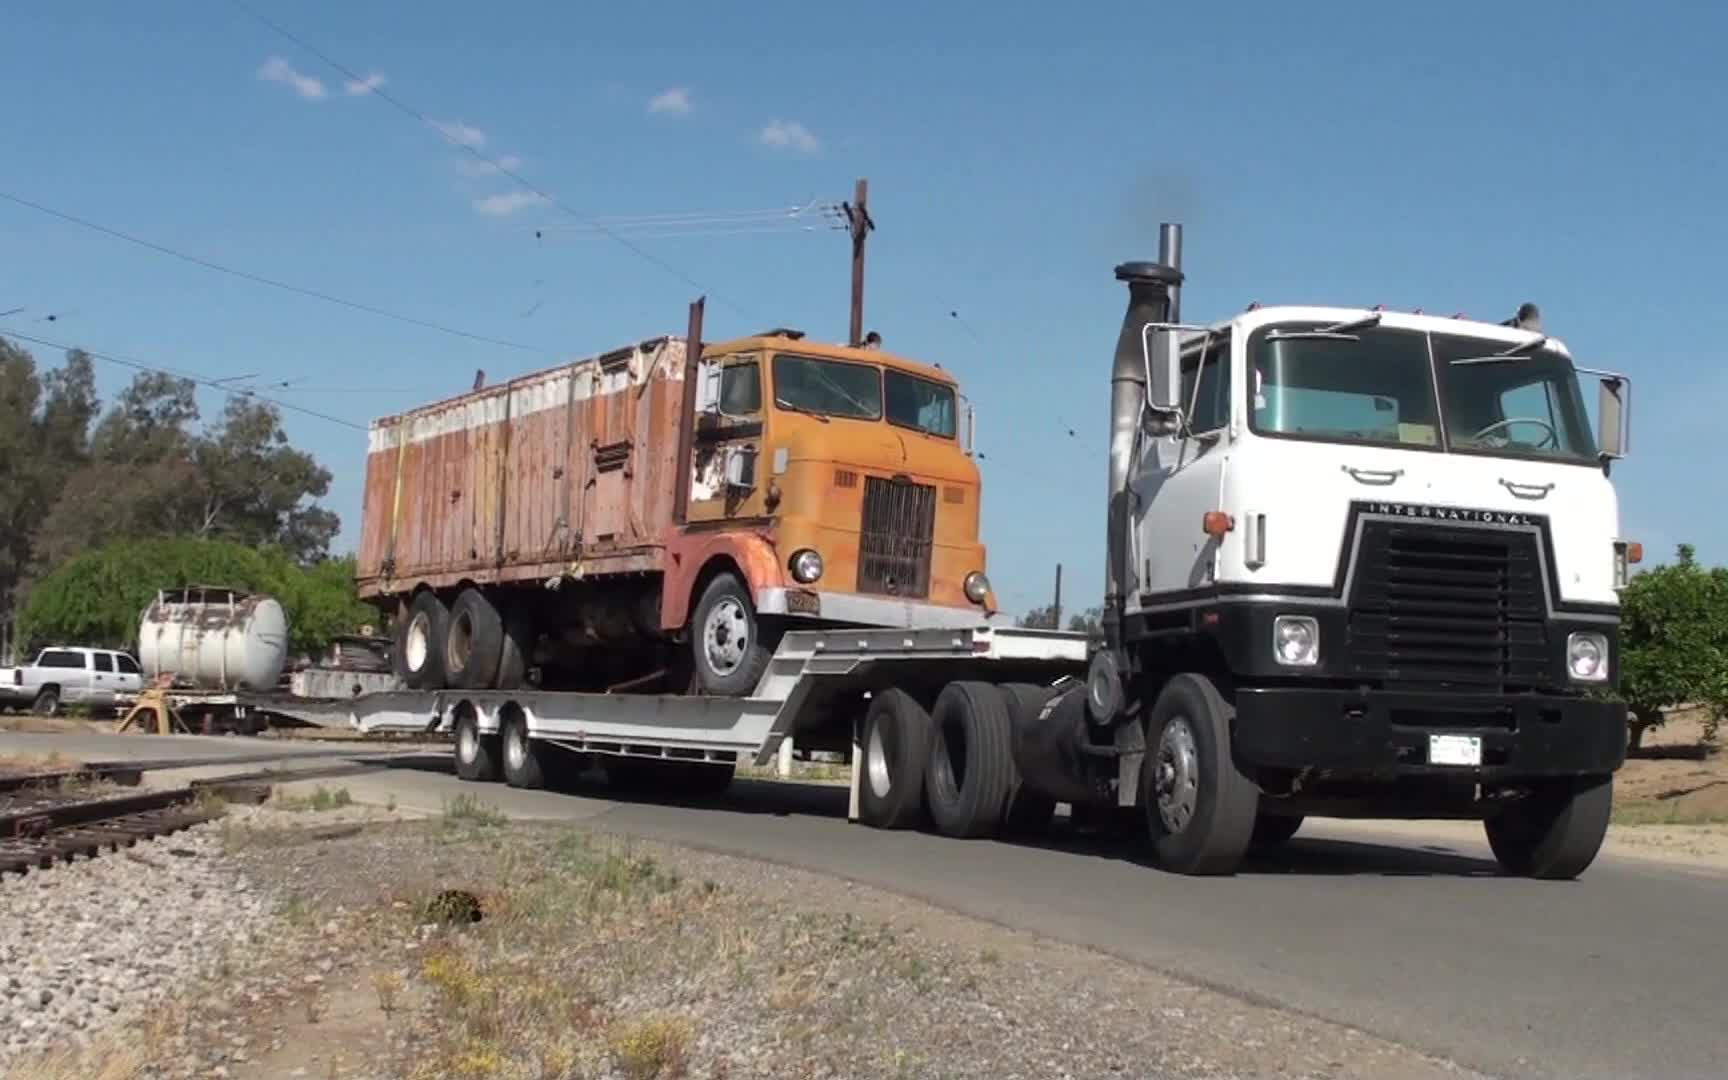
{"x": 690, "y": 557}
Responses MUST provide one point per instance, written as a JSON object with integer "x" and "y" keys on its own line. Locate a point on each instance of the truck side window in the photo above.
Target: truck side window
{"x": 127, "y": 665}
{"x": 1212, "y": 407}
{"x": 741, "y": 389}
{"x": 61, "y": 659}
{"x": 104, "y": 662}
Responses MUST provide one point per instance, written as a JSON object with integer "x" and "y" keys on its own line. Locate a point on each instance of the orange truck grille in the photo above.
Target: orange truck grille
{"x": 894, "y": 537}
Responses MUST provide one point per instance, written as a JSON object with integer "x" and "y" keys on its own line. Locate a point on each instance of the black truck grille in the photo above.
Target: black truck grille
{"x": 1441, "y": 605}
{"x": 894, "y": 537}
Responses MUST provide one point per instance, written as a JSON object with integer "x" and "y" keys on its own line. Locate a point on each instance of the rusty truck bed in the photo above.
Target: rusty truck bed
{"x": 565, "y": 470}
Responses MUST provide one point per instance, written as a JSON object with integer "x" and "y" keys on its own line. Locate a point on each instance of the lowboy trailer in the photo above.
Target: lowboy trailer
{"x": 929, "y": 718}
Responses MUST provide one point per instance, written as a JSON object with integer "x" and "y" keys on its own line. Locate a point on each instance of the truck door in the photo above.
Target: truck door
{"x": 67, "y": 670}
{"x": 129, "y": 676}
{"x": 728, "y": 436}
{"x": 1181, "y": 477}
{"x": 102, "y": 680}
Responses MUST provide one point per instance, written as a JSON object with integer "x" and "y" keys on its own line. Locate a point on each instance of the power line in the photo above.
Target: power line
{"x": 260, "y": 279}
{"x": 200, "y": 380}
{"x": 466, "y": 147}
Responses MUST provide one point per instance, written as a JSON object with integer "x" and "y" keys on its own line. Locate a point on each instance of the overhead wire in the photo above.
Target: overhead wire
{"x": 466, "y": 146}
{"x": 260, "y": 279}
{"x": 191, "y": 377}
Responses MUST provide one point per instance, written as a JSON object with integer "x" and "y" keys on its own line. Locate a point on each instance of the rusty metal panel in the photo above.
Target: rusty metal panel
{"x": 570, "y": 466}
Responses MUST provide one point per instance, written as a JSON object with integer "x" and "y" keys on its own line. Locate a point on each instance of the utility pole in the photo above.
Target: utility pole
{"x": 1056, "y": 605}
{"x": 860, "y": 225}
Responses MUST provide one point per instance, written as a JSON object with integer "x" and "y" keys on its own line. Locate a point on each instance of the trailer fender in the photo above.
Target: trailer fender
{"x": 690, "y": 556}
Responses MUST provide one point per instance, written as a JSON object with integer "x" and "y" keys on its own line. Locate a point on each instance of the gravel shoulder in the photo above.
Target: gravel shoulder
{"x": 318, "y": 938}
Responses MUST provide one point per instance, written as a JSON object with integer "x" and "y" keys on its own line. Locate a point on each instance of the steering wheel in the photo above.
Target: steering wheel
{"x": 1551, "y": 442}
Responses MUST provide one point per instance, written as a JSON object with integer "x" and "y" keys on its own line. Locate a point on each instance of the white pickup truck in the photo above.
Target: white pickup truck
{"x": 68, "y": 676}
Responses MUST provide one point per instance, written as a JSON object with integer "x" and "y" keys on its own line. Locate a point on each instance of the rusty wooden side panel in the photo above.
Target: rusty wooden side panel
{"x": 566, "y": 470}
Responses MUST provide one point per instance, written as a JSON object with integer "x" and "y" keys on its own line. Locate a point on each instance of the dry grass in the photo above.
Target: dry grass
{"x": 29, "y": 763}
{"x": 320, "y": 800}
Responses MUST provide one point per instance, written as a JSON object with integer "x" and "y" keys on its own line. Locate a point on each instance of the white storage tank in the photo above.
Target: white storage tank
{"x": 214, "y": 638}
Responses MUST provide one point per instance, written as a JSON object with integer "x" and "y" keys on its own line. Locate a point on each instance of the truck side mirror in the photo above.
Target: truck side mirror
{"x": 741, "y": 468}
{"x": 1164, "y": 405}
{"x": 1613, "y": 416}
{"x": 968, "y": 425}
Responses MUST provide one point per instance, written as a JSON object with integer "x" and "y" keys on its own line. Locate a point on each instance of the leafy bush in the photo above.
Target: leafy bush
{"x": 97, "y": 598}
{"x": 1674, "y": 643}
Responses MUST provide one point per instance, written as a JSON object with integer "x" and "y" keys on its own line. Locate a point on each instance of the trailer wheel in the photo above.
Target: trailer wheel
{"x": 730, "y": 649}
{"x": 476, "y": 754}
{"x": 1027, "y": 811}
{"x": 1200, "y": 809}
{"x": 971, "y": 762}
{"x": 896, "y": 741}
{"x": 473, "y": 641}
{"x": 420, "y": 643}
{"x": 523, "y": 764}
{"x": 1554, "y": 832}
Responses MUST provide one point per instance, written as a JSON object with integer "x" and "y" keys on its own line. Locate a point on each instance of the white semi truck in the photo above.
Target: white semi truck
{"x": 1361, "y": 563}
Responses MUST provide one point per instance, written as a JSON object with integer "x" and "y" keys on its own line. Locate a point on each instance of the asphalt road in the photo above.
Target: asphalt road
{"x": 1620, "y": 974}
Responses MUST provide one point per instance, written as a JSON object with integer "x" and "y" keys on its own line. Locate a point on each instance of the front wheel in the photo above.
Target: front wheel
{"x": 1555, "y": 831}
{"x": 730, "y": 647}
{"x": 1200, "y": 808}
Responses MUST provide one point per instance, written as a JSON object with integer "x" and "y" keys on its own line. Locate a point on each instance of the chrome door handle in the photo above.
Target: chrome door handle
{"x": 1526, "y": 491}
{"x": 1377, "y": 477}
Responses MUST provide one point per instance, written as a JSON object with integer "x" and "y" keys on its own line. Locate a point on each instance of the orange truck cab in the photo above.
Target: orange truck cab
{"x": 838, "y": 481}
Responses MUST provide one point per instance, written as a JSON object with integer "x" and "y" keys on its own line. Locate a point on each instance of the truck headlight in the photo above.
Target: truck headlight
{"x": 976, "y": 586}
{"x": 1587, "y": 657}
{"x": 1296, "y": 640}
{"x": 806, "y": 566}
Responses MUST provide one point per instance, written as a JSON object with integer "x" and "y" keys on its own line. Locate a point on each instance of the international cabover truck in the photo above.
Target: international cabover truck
{"x": 652, "y": 518}
{"x": 1360, "y": 563}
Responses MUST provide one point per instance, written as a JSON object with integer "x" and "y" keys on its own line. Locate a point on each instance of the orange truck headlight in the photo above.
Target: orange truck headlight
{"x": 976, "y": 586}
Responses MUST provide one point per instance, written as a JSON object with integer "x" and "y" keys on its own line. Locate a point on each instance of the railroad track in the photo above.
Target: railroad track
{"x": 42, "y": 825}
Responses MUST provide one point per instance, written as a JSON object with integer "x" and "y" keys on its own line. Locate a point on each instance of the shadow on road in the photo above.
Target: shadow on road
{"x": 1301, "y": 857}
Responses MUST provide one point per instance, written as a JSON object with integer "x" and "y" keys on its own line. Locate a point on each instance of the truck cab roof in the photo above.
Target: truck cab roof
{"x": 793, "y": 342}
{"x": 1247, "y": 322}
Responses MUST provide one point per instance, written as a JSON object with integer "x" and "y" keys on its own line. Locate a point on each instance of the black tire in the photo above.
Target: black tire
{"x": 1555, "y": 832}
{"x": 731, "y": 654}
{"x": 1027, "y": 811}
{"x": 47, "y": 702}
{"x": 419, "y": 652}
{"x": 1273, "y": 831}
{"x": 971, "y": 767}
{"x": 1200, "y": 809}
{"x": 895, "y": 748}
{"x": 473, "y": 642}
{"x": 516, "y": 648}
{"x": 476, "y": 753}
{"x": 524, "y": 765}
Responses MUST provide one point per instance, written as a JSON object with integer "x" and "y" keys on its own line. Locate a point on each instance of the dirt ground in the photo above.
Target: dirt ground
{"x": 1676, "y": 777}
{"x": 467, "y": 946}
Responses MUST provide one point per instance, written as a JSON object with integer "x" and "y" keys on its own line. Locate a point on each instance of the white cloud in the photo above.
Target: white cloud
{"x": 279, "y": 70}
{"x": 462, "y": 134}
{"x": 472, "y": 167}
{"x": 675, "y": 100}
{"x": 357, "y": 87}
{"x": 790, "y": 135}
{"x": 508, "y": 203}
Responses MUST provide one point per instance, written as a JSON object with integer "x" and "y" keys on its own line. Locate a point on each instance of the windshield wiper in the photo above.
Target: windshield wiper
{"x": 1344, "y": 331}
{"x": 789, "y": 407}
{"x": 1504, "y": 355}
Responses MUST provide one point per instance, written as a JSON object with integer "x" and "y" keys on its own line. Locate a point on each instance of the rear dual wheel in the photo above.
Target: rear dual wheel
{"x": 472, "y": 644}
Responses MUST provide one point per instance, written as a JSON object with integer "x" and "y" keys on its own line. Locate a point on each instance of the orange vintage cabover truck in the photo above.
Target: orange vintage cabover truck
{"x": 652, "y": 518}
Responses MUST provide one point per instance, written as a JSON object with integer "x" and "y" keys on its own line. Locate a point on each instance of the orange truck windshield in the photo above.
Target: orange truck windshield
{"x": 838, "y": 390}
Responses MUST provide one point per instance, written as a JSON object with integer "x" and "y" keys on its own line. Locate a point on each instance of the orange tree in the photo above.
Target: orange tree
{"x": 1674, "y": 643}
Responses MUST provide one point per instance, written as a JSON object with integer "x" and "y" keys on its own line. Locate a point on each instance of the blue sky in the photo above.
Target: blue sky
{"x": 1465, "y": 157}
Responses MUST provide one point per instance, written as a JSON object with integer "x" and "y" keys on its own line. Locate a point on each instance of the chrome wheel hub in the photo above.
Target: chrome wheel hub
{"x": 1176, "y": 775}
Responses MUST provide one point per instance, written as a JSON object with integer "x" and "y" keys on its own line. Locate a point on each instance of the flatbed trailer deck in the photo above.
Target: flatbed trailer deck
{"x": 820, "y": 690}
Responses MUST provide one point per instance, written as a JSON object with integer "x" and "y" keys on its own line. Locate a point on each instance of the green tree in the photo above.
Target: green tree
{"x": 97, "y": 597}
{"x": 1089, "y": 622}
{"x": 1039, "y": 618}
{"x": 44, "y": 428}
{"x": 1674, "y": 643}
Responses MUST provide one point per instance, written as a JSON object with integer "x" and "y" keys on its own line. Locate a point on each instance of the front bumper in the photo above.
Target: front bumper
{"x": 857, "y": 610}
{"x": 1385, "y": 732}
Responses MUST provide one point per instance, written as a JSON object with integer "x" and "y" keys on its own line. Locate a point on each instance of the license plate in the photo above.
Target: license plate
{"x": 1455, "y": 750}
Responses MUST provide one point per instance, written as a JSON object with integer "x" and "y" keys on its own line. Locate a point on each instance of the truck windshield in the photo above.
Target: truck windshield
{"x": 827, "y": 387}
{"x": 919, "y": 404}
{"x": 1376, "y": 385}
